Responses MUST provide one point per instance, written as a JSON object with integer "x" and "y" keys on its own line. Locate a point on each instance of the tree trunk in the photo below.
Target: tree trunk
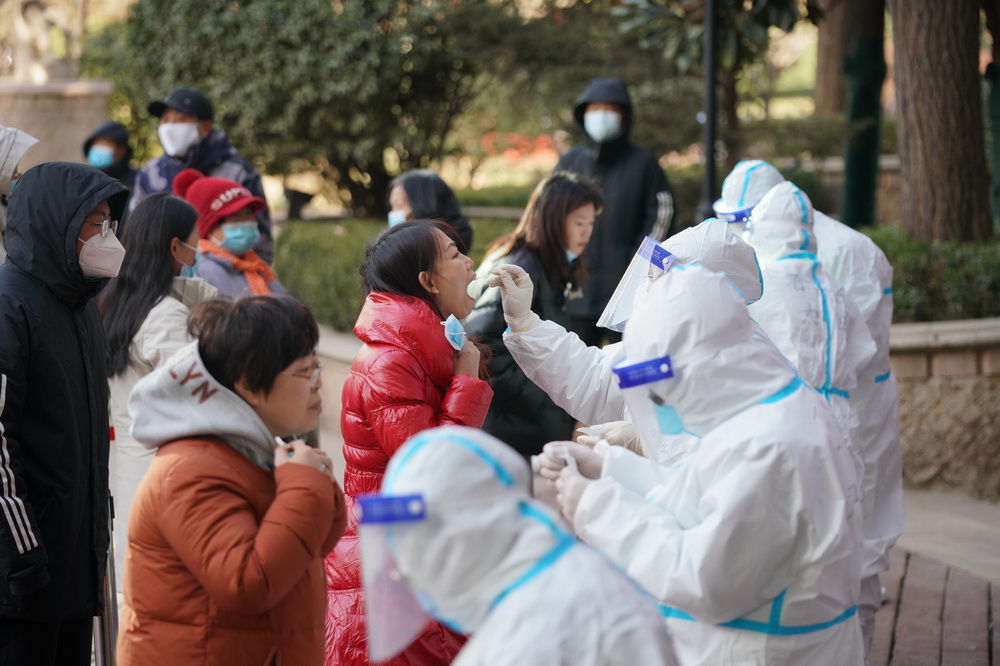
{"x": 831, "y": 51}
{"x": 992, "y": 10}
{"x": 864, "y": 73}
{"x": 945, "y": 182}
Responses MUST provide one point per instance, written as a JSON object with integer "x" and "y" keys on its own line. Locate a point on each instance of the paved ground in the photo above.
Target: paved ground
{"x": 936, "y": 615}
{"x": 954, "y": 529}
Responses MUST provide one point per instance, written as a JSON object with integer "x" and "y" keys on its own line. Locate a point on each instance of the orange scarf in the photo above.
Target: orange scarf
{"x": 257, "y": 273}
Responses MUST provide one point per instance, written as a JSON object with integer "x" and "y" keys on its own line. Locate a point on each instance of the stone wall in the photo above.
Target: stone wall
{"x": 949, "y": 411}
{"x": 60, "y": 114}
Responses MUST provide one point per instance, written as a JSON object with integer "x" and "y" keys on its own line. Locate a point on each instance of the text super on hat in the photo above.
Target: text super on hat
{"x": 185, "y": 100}
{"x": 214, "y": 198}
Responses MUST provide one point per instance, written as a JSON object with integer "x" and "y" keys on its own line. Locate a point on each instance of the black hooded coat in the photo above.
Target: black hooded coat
{"x": 54, "y": 434}
{"x": 637, "y": 198}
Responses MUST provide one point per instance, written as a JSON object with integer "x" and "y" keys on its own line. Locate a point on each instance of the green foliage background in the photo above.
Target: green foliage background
{"x": 936, "y": 281}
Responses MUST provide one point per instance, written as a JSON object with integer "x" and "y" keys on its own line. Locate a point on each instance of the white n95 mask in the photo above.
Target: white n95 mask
{"x": 101, "y": 256}
{"x": 602, "y": 124}
{"x": 177, "y": 138}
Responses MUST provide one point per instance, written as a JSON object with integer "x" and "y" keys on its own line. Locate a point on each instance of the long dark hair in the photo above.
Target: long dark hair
{"x": 543, "y": 225}
{"x": 395, "y": 258}
{"x": 147, "y": 272}
{"x": 431, "y": 199}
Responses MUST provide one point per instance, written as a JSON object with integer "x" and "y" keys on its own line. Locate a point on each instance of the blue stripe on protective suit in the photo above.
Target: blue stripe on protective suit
{"x": 785, "y": 392}
{"x": 746, "y": 184}
{"x": 826, "y": 390}
{"x": 772, "y": 627}
{"x": 420, "y": 441}
{"x": 564, "y": 540}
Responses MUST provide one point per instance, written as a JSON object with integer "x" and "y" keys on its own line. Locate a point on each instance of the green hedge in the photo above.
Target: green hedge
{"x": 507, "y": 196}
{"x": 318, "y": 263}
{"x": 940, "y": 281}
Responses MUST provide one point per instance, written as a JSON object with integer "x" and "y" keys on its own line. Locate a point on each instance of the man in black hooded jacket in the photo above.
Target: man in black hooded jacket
{"x": 54, "y": 437}
{"x": 637, "y": 198}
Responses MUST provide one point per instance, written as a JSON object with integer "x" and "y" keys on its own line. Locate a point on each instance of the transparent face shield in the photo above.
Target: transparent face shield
{"x": 394, "y": 616}
{"x": 650, "y": 262}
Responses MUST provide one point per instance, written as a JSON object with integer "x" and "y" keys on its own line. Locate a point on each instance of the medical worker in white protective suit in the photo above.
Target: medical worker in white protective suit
{"x": 861, "y": 268}
{"x": 804, "y": 312}
{"x": 578, "y": 378}
{"x": 751, "y": 541}
{"x": 488, "y": 560}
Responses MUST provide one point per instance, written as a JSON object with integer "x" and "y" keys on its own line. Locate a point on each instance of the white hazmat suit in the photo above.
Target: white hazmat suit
{"x": 804, "y": 312}
{"x": 579, "y": 379}
{"x": 751, "y": 541}
{"x": 745, "y": 185}
{"x": 490, "y": 561}
{"x": 861, "y": 268}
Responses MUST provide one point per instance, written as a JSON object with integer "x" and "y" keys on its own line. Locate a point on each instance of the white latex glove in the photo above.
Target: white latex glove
{"x": 516, "y": 291}
{"x": 556, "y": 456}
{"x": 616, "y": 433}
{"x": 570, "y": 485}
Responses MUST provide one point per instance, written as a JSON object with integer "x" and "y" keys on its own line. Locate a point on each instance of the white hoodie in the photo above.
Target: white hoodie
{"x": 181, "y": 399}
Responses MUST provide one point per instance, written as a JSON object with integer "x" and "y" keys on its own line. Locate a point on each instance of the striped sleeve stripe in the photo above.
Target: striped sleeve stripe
{"x": 13, "y": 507}
{"x": 664, "y": 211}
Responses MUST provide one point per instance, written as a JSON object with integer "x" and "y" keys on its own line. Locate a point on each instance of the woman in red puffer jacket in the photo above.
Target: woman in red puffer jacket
{"x": 407, "y": 378}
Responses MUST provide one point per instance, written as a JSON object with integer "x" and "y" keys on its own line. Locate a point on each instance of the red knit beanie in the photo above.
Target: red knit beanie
{"x": 214, "y": 198}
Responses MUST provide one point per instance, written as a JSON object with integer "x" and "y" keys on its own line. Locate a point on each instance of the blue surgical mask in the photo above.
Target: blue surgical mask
{"x": 454, "y": 332}
{"x": 100, "y": 157}
{"x": 192, "y": 270}
{"x": 240, "y": 237}
{"x": 669, "y": 420}
{"x": 396, "y": 217}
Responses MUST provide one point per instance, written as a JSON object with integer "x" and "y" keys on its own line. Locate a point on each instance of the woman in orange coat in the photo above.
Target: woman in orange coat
{"x": 230, "y": 524}
{"x": 407, "y": 378}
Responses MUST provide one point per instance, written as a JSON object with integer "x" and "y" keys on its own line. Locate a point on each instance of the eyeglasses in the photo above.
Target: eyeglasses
{"x": 315, "y": 372}
{"x": 107, "y": 224}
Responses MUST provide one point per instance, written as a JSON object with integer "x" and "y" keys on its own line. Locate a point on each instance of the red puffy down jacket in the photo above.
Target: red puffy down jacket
{"x": 402, "y": 382}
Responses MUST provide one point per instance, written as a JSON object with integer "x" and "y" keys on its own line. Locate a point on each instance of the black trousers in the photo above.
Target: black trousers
{"x": 24, "y": 643}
